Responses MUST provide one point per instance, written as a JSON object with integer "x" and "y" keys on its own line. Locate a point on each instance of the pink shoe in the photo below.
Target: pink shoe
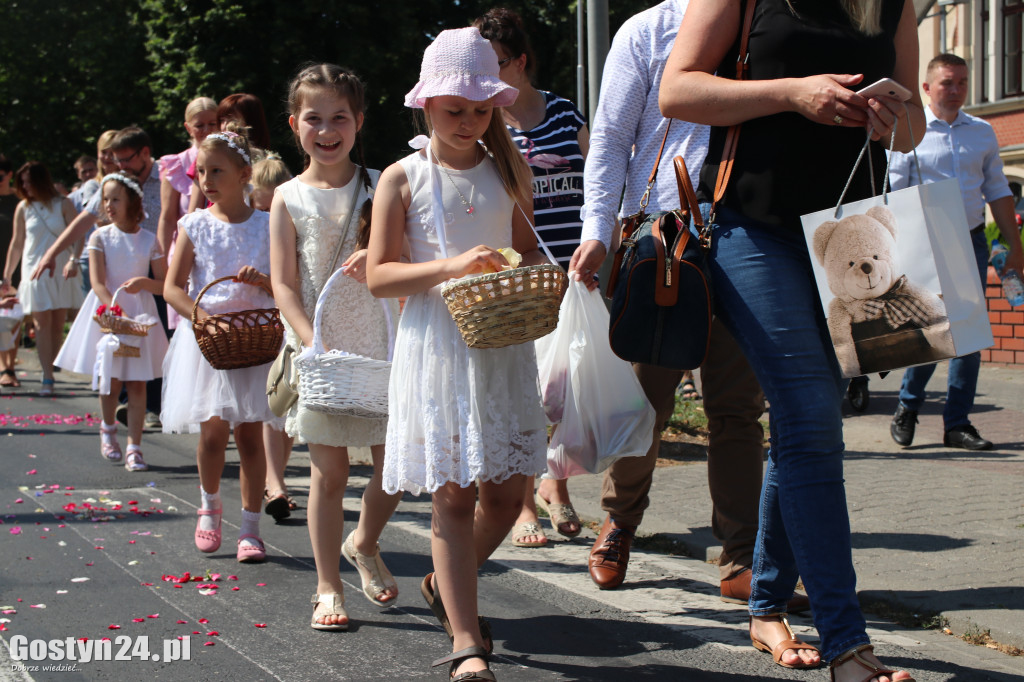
{"x": 251, "y": 554}
{"x": 208, "y": 540}
{"x": 111, "y": 451}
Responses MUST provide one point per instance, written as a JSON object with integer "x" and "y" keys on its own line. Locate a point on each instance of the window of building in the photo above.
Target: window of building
{"x": 1013, "y": 47}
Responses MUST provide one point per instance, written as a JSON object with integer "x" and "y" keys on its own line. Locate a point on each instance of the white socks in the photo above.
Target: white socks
{"x": 108, "y": 433}
{"x": 210, "y": 502}
{"x": 250, "y": 526}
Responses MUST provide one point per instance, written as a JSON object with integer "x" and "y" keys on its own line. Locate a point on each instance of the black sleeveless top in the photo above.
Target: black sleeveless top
{"x": 787, "y": 165}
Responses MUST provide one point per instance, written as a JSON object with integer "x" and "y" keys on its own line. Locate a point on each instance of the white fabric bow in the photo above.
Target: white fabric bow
{"x": 104, "y": 365}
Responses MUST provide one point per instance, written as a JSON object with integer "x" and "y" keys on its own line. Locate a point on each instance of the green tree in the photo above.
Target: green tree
{"x": 68, "y": 71}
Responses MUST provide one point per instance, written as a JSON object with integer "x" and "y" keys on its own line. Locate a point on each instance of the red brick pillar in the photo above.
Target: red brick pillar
{"x": 1007, "y": 325}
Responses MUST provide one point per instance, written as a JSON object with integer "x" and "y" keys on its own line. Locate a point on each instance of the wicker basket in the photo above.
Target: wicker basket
{"x": 341, "y": 383}
{"x": 505, "y": 308}
{"x": 126, "y": 351}
{"x": 120, "y": 325}
{"x": 235, "y": 340}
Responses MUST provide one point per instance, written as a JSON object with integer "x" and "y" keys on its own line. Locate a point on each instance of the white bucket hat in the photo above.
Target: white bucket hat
{"x": 460, "y": 63}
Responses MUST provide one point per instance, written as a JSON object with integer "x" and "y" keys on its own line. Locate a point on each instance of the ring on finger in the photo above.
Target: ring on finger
{"x": 837, "y": 119}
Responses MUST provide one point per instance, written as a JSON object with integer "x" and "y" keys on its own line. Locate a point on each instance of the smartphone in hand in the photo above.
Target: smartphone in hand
{"x": 886, "y": 87}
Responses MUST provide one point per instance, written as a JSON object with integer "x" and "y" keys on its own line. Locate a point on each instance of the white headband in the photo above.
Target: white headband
{"x": 124, "y": 180}
{"x": 231, "y": 143}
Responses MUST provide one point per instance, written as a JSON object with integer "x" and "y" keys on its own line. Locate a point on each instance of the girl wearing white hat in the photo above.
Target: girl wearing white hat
{"x": 461, "y": 421}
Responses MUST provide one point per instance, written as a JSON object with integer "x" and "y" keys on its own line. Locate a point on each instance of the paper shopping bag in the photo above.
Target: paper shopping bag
{"x": 898, "y": 280}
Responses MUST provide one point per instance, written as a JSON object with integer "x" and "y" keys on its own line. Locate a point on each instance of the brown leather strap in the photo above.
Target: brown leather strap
{"x": 729, "y": 149}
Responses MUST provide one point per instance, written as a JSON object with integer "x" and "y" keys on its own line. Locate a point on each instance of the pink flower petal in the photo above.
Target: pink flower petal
{"x": 138, "y": 620}
{"x": 212, "y": 633}
{"x": 209, "y": 643}
{"x": 182, "y": 622}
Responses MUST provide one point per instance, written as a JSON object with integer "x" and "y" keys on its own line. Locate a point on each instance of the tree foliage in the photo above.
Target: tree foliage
{"x": 70, "y": 70}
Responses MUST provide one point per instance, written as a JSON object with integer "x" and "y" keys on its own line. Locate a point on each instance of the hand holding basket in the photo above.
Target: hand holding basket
{"x": 246, "y": 338}
{"x": 341, "y": 383}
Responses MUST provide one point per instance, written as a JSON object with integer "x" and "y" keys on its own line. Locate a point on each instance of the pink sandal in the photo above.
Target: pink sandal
{"x": 208, "y": 540}
{"x": 251, "y": 554}
{"x": 111, "y": 451}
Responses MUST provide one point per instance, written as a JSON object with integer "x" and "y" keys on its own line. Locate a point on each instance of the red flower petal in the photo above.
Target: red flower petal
{"x": 113, "y": 627}
{"x": 182, "y": 622}
{"x": 261, "y": 625}
{"x": 138, "y": 620}
{"x": 209, "y": 643}
{"x": 204, "y": 620}
{"x": 212, "y": 633}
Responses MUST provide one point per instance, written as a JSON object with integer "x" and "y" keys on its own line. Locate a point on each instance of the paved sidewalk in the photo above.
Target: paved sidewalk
{"x": 934, "y": 529}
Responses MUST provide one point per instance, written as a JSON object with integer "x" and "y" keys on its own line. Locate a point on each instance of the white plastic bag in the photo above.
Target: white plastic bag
{"x": 553, "y": 368}
{"x": 605, "y": 414}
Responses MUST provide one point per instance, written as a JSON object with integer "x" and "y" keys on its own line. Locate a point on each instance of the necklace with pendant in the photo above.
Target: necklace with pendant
{"x": 462, "y": 197}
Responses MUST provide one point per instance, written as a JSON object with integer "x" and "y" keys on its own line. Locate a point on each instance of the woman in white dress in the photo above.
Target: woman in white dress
{"x": 39, "y": 219}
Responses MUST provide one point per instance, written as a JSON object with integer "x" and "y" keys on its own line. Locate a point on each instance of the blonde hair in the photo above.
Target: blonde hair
{"x": 106, "y": 140}
{"x": 233, "y": 149}
{"x": 270, "y": 172}
{"x": 865, "y": 15}
{"x": 512, "y": 168}
{"x": 198, "y": 106}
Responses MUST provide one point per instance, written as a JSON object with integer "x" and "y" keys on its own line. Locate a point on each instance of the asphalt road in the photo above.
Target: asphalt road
{"x": 550, "y": 622}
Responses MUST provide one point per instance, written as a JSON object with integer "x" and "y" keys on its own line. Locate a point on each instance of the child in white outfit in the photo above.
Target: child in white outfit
{"x": 462, "y": 421}
{"x": 121, "y": 255}
{"x": 227, "y": 239}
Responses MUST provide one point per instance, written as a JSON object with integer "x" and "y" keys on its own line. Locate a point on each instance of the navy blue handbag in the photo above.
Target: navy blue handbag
{"x": 661, "y": 295}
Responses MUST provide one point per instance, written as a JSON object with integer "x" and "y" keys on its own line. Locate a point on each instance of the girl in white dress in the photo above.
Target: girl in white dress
{"x": 228, "y": 239}
{"x": 39, "y": 219}
{"x": 462, "y": 421}
{"x": 120, "y": 255}
{"x": 311, "y": 217}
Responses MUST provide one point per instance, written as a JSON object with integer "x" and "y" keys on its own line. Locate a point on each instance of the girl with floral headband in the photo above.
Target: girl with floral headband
{"x": 462, "y": 422}
{"x": 227, "y": 239}
{"x": 120, "y": 257}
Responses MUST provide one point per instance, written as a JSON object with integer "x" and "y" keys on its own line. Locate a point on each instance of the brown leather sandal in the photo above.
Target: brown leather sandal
{"x": 433, "y": 600}
{"x": 792, "y": 643}
{"x": 862, "y": 662}
{"x": 459, "y": 656}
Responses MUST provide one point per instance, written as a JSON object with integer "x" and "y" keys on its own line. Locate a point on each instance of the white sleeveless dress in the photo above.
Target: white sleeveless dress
{"x": 125, "y": 256}
{"x": 353, "y": 320}
{"x": 458, "y": 414}
{"x": 44, "y": 223}
{"x": 193, "y": 391}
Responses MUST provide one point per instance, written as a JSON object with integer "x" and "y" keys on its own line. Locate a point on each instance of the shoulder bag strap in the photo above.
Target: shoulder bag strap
{"x": 729, "y": 149}
{"x": 345, "y": 232}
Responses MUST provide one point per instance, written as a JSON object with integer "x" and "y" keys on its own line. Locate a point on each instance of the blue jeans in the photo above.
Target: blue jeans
{"x": 766, "y": 296}
{"x": 963, "y": 371}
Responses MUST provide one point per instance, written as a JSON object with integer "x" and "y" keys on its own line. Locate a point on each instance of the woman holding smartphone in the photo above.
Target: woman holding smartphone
{"x": 803, "y": 125}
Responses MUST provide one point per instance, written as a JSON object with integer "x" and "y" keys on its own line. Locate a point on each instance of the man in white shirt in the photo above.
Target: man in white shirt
{"x": 132, "y": 153}
{"x": 956, "y": 145}
{"x": 627, "y": 133}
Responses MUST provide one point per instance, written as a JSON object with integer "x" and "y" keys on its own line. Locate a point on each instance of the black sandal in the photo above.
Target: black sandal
{"x": 13, "y": 383}
{"x": 460, "y": 656}
{"x": 688, "y": 391}
{"x": 433, "y": 600}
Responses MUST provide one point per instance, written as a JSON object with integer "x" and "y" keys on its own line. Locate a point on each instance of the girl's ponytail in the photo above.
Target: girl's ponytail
{"x": 515, "y": 173}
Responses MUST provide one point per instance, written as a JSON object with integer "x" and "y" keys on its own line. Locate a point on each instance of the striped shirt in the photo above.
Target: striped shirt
{"x": 553, "y": 151}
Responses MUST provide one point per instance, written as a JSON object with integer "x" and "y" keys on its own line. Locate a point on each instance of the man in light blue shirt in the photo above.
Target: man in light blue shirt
{"x": 956, "y": 145}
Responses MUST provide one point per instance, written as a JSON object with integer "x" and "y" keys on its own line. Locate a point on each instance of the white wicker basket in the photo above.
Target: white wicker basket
{"x": 336, "y": 382}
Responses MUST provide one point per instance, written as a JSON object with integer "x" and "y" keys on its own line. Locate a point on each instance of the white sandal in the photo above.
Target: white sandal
{"x": 334, "y": 606}
{"x": 110, "y": 451}
{"x": 375, "y": 576}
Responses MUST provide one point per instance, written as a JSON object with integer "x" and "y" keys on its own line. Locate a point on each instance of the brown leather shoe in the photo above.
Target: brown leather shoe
{"x": 736, "y": 590}
{"x": 610, "y": 554}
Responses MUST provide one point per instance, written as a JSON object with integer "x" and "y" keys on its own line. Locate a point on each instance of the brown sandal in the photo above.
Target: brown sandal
{"x": 862, "y": 662}
{"x": 433, "y": 600}
{"x": 792, "y": 643}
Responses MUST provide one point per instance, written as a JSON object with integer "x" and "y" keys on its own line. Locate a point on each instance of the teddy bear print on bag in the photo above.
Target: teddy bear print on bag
{"x": 879, "y": 319}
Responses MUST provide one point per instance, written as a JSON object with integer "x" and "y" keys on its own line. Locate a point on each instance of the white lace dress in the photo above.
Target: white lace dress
{"x": 194, "y": 391}
{"x": 44, "y": 223}
{"x": 458, "y": 414}
{"x": 125, "y": 256}
{"x": 353, "y": 320}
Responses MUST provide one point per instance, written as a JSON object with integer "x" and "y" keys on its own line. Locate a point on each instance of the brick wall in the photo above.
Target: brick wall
{"x": 1007, "y": 325}
{"x": 1009, "y": 127}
